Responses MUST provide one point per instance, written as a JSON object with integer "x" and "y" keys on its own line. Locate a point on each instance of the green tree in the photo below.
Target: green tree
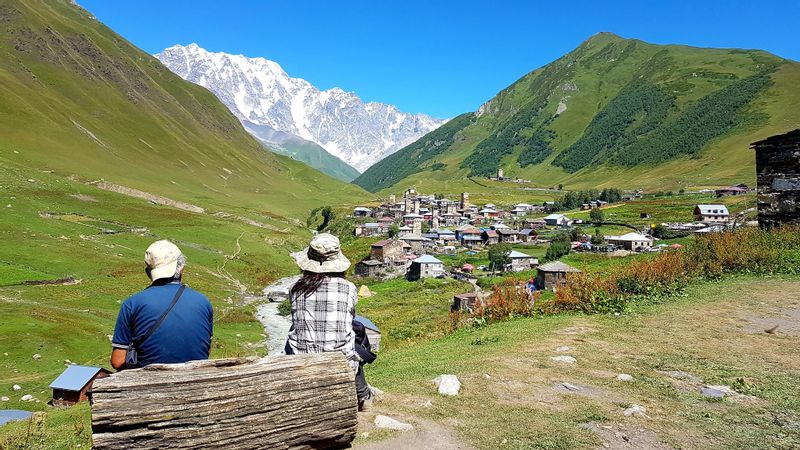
{"x": 596, "y": 216}
{"x": 598, "y": 238}
{"x": 327, "y": 216}
{"x": 394, "y": 230}
{"x": 498, "y": 256}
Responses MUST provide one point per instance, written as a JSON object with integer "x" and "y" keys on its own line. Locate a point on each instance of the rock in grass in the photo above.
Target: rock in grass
{"x": 635, "y": 411}
{"x": 4, "y": 399}
{"x": 681, "y": 375}
{"x": 36, "y": 357}
{"x": 375, "y": 391}
{"x": 448, "y": 384}
{"x": 16, "y": 387}
{"x": 570, "y": 387}
{"x": 563, "y": 348}
{"x": 26, "y": 398}
{"x": 564, "y": 359}
{"x": 387, "y": 423}
{"x": 624, "y": 377}
{"x": 715, "y": 391}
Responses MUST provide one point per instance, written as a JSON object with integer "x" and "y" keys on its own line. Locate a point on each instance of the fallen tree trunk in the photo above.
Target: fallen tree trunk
{"x": 283, "y": 402}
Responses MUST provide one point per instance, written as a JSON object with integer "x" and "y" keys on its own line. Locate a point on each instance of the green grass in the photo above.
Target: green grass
{"x": 514, "y": 402}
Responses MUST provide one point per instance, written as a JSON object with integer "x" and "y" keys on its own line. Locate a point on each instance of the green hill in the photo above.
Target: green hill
{"x": 613, "y": 112}
{"x": 103, "y": 151}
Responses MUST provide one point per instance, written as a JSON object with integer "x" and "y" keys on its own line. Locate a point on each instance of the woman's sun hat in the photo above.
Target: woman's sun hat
{"x": 323, "y": 255}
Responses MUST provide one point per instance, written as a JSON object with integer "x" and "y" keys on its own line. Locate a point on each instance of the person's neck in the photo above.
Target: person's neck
{"x": 165, "y": 281}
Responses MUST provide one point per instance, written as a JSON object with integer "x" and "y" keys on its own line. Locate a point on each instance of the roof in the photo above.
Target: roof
{"x": 367, "y": 323}
{"x": 405, "y": 228}
{"x": 385, "y": 242}
{"x": 515, "y": 254}
{"x": 412, "y": 216}
{"x": 523, "y": 205}
{"x": 507, "y": 231}
{"x": 526, "y": 231}
{"x": 371, "y": 225}
{"x": 411, "y": 237}
{"x": 555, "y": 217}
{"x": 75, "y": 378}
{"x": 500, "y": 226}
{"x": 471, "y": 237}
{"x": 733, "y": 188}
{"x": 7, "y": 415}
{"x": 777, "y": 139}
{"x": 467, "y": 295}
{"x": 630, "y": 237}
{"x": 491, "y": 233}
{"x": 450, "y": 232}
{"x": 466, "y": 228}
{"x": 385, "y": 219}
{"x": 707, "y": 209}
{"x": 370, "y": 262}
{"x": 487, "y": 211}
{"x": 557, "y": 266}
{"x": 361, "y": 208}
{"x": 427, "y": 259}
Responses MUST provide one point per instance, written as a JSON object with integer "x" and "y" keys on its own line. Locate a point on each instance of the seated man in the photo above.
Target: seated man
{"x": 185, "y": 332}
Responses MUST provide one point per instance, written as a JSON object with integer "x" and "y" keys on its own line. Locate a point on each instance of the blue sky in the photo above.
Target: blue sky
{"x": 438, "y": 57}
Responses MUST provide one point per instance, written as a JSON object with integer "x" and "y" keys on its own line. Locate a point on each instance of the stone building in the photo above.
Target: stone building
{"x": 778, "y": 173}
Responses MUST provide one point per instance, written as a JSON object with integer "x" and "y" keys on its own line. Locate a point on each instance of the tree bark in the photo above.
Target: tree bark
{"x": 283, "y": 402}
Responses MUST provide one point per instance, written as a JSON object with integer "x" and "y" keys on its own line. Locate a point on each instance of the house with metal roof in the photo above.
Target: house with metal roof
{"x": 711, "y": 213}
{"x": 74, "y": 384}
{"x": 552, "y": 274}
{"x": 521, "y": 261}
{"x": 557, "y": 220}
{"x": 631, "y": 241}
{"x": 426, "y": 266}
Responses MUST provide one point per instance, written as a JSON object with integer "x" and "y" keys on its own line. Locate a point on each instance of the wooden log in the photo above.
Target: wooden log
{"x": 281, "y": 402}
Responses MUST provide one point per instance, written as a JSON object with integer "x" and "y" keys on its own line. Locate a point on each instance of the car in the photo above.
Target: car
{"x": 482, "y": 267}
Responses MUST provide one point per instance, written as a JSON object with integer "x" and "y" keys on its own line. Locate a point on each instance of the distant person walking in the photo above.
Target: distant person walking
{"x": 324, "y": 307}
{"x": 168, "y": 322}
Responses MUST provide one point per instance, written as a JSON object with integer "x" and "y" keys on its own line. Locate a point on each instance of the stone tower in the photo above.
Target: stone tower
{"x": 464, "y": 200}
{"x": 416, "y": 228}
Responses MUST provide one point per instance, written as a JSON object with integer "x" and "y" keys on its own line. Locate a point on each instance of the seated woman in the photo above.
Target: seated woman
{"x": 324, "y": 307}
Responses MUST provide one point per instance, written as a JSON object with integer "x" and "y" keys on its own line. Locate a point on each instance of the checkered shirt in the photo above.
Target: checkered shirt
{"x": 323, "y": 321}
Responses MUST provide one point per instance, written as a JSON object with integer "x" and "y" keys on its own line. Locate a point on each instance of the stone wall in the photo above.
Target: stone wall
{"x": 778, "y": 172}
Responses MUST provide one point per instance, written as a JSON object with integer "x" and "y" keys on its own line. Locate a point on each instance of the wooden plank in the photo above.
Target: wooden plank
{"x": 283, "y": 402}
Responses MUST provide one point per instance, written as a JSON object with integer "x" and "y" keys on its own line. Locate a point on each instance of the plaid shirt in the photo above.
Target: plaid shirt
{"x": 323, "y": 321}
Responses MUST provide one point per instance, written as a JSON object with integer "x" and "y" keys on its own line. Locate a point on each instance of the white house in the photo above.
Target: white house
{"x": 557, "y": 220}
{"x": 361, "y": 211}
{"x": 631, "y": 241}
{"x": 426, "y": 266}
{"x": 520, "y": 261}
{"x": 711, "y": 213}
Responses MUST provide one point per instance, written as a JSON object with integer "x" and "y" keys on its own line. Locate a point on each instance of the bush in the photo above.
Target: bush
{"x": 509, "y": 299}
{"x": 285, "y": 308}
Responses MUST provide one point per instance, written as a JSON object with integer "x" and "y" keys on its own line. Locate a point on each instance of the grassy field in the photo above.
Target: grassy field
{"x": 513, "y": 395}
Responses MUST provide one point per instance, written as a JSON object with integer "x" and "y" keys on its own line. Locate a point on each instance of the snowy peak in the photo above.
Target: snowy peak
{"x": 259, "y": 91}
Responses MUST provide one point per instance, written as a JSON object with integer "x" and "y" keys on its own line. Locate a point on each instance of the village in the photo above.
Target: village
{"x": 430, "y": 236}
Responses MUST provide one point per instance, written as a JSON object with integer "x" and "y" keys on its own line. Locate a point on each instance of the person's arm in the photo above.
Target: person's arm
{"x": 122, "y": 337}
{"x": 210, "y": 327}
{"x": 118, "y": 358}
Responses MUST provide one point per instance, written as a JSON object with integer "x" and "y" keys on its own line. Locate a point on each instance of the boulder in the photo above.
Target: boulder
{"x": 624, "y": 377}
{"x": 37, "y": 357}
{"x": 26, "y": 398}
{"x": 447, "y": 384}
{"x": 4, "y": 399}
{"x": 715, "y": 391}
{"x": 364, "y": 291}
{"x": 563, "y": 348}
{"x": 564, "y": 359}
{"x": 635, "y": 411}
{"x": 16, "y": 387}
{"x": 387, "y": 423}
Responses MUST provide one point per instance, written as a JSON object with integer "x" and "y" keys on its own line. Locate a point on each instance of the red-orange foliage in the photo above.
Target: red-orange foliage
{"x": 511, "y": 298}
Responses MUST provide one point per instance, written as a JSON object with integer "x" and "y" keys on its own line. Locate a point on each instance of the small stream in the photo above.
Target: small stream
{"x": 275, "y": 326}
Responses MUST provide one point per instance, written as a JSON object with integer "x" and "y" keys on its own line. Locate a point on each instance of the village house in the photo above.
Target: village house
{"x": 418, "y": 244}
{"x": 389, "y": 251}
{"x": 527, "y": 235}
{"x": 507, "y": 235}
{"x": 73, "y": 385}
{"x": 490, "y": 237}
{"x": 409, "y": 219}
{"x": 464, "y": 302}
{"x": 631, "y": 241}
{"x": 520, "y": 261}
{"x": 557, "y": 220}
{"x": 552, "y": 274}
{"x": 711, "y": 213}
{"x": 369, "y": 268}
{"x": 731, "y": 190}
{"x": 468, "y": 235}
{"x": 778, "y": 173}
{"x": 361, "y": 212}
{"x": 370, "y": 229}
{"x": 426, "y": 266}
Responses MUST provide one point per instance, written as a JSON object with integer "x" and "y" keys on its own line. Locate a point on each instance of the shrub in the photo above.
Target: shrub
{"x": 507, "y": 300}
{"x": 285, "y": 308}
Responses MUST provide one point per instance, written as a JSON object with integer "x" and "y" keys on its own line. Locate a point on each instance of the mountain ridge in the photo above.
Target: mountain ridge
{"x": 616, "y": 106}
{"x": 259, "y": 91}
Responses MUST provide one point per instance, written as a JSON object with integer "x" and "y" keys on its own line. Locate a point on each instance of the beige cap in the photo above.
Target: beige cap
{"x": 162, "y": 259}
{"x": 323, "y": 255}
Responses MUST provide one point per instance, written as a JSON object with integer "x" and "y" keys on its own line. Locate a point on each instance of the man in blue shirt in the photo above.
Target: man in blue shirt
{"x": 185, "y": 333}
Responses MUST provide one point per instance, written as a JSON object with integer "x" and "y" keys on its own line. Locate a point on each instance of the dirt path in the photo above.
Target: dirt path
{"x": 426, "y": 435}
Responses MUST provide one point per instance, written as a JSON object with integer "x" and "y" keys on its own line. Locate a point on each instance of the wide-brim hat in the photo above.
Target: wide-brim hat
{"x": 161, "y": 257}
{"x": 323, "y": 255}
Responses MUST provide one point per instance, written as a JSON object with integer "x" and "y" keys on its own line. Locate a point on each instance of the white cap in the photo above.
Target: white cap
{"x": 162, "y": 259}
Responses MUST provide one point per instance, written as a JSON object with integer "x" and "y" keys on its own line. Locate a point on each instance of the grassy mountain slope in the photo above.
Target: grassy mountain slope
{"x": 300, "y": 149}
{"x": 81, "y": 104}
{"x": 621, "y": 112}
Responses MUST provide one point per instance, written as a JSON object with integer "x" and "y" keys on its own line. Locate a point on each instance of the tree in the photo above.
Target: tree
{"x": 556, "y": 250}
{"x": 394, "y": 230}
{"x": 327, "y": 217}
{"x": 498, "y": 256}
{"x": 598, "y": 238}
{"x": 596, "y": 216}
{"x": 560, "y": 187}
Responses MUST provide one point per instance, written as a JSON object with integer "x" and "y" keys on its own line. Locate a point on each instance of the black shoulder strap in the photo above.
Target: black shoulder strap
{"x": 140, "y": 341}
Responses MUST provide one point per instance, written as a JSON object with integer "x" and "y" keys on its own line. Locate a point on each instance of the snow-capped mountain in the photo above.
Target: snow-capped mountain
{"x": 259, "y": 92}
